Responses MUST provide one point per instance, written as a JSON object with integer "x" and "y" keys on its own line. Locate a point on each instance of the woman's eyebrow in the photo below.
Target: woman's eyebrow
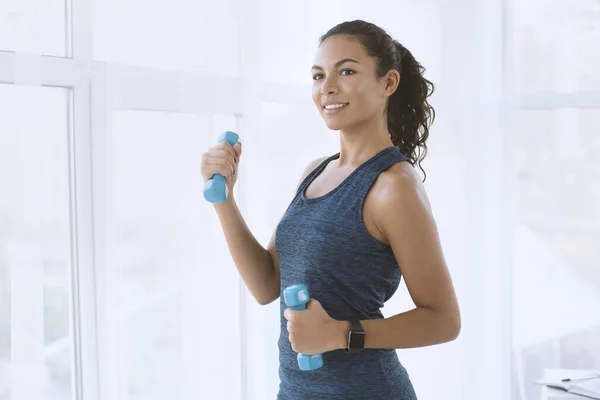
{"x": 337, "y": 64}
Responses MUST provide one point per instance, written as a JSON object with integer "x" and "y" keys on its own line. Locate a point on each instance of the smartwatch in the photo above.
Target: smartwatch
{"x": 356, "y": 338}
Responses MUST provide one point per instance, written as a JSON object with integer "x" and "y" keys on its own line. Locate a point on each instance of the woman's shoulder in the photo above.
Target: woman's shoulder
{"x": 398, "y": 183}
{"x": 312, "y": 165}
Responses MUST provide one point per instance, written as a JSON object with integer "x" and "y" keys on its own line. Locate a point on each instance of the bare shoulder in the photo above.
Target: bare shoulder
{"x": 398, "y": 188}
{"x": 400, "y": 182}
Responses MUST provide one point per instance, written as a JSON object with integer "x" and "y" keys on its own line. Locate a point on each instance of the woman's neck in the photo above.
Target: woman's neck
{"x": 360, "y": 143}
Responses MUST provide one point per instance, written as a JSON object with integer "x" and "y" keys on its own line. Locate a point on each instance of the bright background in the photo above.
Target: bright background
{"x": 115, "y": 279}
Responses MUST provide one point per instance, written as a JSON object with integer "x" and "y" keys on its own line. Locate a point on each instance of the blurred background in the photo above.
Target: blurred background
{"x": 115, "y": 279}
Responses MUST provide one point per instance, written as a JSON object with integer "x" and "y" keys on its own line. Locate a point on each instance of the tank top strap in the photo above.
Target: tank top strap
{"x": 369, "y": 174}
{"x": 309, "y": 178}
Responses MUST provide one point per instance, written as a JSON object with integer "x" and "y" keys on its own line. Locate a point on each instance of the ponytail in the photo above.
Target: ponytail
{"x": 409, "y": 113}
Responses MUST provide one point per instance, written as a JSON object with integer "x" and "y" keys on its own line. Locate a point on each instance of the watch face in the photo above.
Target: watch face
{"x": 357, "y": 340}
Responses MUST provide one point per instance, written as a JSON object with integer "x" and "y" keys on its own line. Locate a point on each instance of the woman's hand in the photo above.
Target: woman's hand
{"x": 222, "y": 159}
{"x": 313, "y": 331}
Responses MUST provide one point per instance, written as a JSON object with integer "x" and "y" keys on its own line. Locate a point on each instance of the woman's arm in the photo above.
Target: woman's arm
{"x": 403, "y": 216}
{"x": 253, "y": 262}
{"x": 258, "y": 267}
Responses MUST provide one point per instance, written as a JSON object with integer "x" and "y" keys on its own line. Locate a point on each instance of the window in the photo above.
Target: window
{"x": 36, "y": 332}
{"x": 35, "y": 27}
{"x": 168, "y": 36}
{"x": 556, "y": 279}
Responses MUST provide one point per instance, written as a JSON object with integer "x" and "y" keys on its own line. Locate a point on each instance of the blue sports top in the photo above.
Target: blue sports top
{"x": 323, "y": 243}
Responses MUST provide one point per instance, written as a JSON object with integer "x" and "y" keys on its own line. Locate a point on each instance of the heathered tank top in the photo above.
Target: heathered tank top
{"x": 323, "y": 243}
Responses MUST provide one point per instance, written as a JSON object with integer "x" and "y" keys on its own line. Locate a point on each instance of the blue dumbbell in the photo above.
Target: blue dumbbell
{"x": 215, "y": 189}
{"x": 296, "y": 297}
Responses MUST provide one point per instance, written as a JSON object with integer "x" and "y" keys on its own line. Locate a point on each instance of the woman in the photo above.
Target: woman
{"x": 359, "y": 221}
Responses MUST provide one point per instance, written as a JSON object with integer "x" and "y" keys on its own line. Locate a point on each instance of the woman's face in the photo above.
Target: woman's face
{"x": 345, "y": 86}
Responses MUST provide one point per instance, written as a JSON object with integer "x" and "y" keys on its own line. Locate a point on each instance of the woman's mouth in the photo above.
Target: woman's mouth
{"x": 334, "y": 108}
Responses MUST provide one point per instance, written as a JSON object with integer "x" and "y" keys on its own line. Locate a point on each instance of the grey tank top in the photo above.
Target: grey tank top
{"x": 323, "y": 243}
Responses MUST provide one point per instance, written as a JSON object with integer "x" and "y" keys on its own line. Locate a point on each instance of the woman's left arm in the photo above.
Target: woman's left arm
{"x": 403, "y": 215}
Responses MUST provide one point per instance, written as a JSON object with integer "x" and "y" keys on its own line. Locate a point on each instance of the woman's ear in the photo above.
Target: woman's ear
{"x": 392, "y": 80}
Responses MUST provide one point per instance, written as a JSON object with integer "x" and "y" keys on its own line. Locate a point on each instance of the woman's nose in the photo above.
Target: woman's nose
{"x": 329, "y": 87}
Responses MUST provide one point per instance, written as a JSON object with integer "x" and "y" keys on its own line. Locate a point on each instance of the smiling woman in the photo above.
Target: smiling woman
{"x": 353, "y": 61}
{"x": 345, "y": 234}
{"x": 359, "y": 222}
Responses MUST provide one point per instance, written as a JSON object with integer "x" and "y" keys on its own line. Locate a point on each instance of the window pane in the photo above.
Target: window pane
{"x": 176, "y": 281}
{"x": 308, "y": 138}
{"x": 287, "y": 46}
{"x": 133, "y": 32}
{"x": 36, "y": 342}
{"x": 556, "y": 45}
{"x": 556, "y": 276}
{"x": 34, "y": 26}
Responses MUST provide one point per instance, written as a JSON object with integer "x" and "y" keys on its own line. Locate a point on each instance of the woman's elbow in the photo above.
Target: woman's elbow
{"x": 266, "y": 301}
{"x": 453, "y": 326}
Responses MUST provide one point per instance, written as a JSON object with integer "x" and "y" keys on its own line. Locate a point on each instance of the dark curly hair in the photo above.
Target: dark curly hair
{"x": 409, "y": 114}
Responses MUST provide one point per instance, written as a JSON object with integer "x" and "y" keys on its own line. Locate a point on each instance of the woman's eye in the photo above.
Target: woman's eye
{"x": 344, "y": 72}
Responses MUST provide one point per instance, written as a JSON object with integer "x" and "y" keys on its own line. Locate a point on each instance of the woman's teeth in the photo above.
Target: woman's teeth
{"x": 334, "y": 106}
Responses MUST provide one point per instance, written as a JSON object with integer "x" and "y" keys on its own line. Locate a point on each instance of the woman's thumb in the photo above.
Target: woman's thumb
{"x": 238, "y": 149}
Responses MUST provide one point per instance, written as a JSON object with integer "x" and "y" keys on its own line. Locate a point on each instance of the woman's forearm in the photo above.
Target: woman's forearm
{"x": 418, "y": 327}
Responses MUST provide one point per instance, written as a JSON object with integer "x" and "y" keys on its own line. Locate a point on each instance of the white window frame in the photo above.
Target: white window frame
{"x": 99, "y": 88}
{"x": 72, "y": 73}
{"x": 555, "y": 100}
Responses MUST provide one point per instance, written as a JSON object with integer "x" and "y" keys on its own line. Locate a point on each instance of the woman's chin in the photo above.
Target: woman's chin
{"x": 334, "y": 125}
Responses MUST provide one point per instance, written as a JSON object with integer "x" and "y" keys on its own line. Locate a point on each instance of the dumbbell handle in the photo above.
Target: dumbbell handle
{"x": 215, "y": 189}
{"x": 296, "y": 297}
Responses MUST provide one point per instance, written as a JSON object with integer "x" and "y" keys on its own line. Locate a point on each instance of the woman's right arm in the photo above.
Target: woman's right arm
{"x": 252, "y": 261}
{"x": 258, "y": 267}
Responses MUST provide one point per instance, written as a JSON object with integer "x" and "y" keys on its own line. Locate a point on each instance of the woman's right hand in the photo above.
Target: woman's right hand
{"x": 222, "y": 159}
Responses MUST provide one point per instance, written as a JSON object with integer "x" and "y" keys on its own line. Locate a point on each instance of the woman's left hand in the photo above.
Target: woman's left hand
{"x": 313, "y": 331}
